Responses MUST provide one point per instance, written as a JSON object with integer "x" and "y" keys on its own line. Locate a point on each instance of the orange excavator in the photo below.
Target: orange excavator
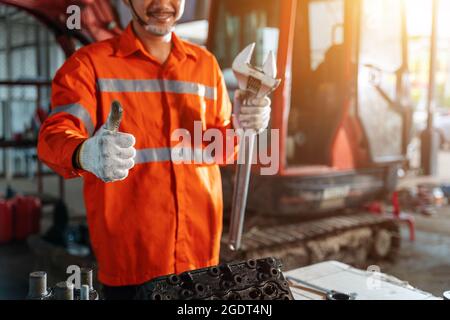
{"x": 99, "y": 20}
{"x": 342, "y": 112}
{"x": 344, "y": 121}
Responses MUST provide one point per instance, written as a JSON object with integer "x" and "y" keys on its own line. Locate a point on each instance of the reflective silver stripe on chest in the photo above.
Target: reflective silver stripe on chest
{"x": 176, "y": 155}
{"x": 157, "y": 85}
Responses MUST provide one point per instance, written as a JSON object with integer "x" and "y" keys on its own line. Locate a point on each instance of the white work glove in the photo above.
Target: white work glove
{"x": 109, "y": 154}
{"x": 251, "y": 114}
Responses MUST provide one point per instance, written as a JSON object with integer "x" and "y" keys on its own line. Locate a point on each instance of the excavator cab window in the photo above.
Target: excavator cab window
{"x": 381, "y": 71}
{"x": 347, "y": 62}
{"x": 237, "y": 24}
{"x": 317, "y": 82}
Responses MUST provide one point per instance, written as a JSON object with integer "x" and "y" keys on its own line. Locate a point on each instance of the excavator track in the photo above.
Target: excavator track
{"x": 356, "y": 239}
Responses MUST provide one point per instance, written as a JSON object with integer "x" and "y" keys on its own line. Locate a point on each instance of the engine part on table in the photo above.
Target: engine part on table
{"x": 84, "y": 292}
{"x": 38, "y": 286}
{"x": 86, "y": 277}
{"x": 348, "y": 238}
{"x": 6, "y": 221}
{"x": 86, "y": 281}
{"x": 259, "y": 279}
{"x": 327, "y": 294}
{"x": 63, "y": 290}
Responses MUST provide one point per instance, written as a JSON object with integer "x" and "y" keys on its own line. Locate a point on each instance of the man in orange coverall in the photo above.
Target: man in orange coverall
{"x": 148, "y": 216}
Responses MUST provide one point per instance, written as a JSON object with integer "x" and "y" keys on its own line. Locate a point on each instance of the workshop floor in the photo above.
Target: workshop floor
{"x": 15, "y": 262}
{"x": 425, "y": 263}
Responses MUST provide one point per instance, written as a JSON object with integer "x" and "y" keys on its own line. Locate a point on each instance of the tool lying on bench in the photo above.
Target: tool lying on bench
{"x": 259, "y": 279}
{"x": 327, "y": 294}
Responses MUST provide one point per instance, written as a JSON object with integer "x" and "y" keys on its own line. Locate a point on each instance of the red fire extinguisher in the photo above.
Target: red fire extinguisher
{"x": 27, "y": 215}
{"x": 6, "y": 221}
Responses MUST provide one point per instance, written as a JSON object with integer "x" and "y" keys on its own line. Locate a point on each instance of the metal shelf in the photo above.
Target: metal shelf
{"x": 18, "y": 144}
{"x": 26, "y": 82}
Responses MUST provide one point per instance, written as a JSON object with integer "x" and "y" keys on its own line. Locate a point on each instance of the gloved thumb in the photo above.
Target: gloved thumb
{"x": 114, "y": 117}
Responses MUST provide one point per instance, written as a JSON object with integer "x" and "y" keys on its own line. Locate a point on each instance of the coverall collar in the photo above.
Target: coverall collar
{"x": 129, "y": 43}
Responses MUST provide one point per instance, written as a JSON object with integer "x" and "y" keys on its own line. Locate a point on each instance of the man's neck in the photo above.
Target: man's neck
{"x": 158, "y": 47}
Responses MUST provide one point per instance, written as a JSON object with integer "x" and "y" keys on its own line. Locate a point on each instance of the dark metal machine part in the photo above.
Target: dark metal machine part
{"x": 260, "y": 279}
{"x": 63, "y": 290}
{"x": 87, "y": 279}
{"x": 38, "y": 286}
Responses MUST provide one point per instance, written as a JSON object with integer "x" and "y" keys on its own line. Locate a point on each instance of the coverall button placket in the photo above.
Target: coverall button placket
{"x": 169, "y": 72}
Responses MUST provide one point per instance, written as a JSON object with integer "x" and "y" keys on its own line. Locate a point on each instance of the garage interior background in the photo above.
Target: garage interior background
{"x": 29, "y": 52}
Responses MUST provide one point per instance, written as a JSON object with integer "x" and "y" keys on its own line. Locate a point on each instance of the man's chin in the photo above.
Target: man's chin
{"x": 159, "y": 31}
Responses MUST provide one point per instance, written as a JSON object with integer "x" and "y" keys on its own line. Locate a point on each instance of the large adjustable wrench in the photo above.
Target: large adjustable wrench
{"x": 253, "y": 82}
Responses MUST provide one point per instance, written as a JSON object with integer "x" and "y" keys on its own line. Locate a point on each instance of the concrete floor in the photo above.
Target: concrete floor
{"x": 424, "y": 263}
{"x": 16, "y": 262}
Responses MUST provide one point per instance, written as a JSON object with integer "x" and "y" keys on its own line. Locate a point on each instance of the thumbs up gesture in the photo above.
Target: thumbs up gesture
{"x": 109, "y": 154}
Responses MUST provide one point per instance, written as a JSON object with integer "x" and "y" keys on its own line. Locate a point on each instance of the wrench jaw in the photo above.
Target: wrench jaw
{"x": 253, "y": 80}
{"x": 270, "y": 66}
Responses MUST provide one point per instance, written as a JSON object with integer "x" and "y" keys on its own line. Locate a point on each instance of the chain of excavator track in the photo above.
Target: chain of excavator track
{"x": 306, "y": 239}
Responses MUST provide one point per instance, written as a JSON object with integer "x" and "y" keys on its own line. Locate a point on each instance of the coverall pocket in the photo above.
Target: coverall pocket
{"x": 194, "y": 112}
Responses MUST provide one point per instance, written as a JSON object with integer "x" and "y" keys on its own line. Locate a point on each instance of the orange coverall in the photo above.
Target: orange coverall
{"x": 164, "y": 217}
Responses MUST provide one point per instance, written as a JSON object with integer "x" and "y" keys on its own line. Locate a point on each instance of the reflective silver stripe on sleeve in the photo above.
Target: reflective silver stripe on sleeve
{"x": 78, "y": 111}
{"x": 177, "y": 155}
{"x": 157, "y": 85}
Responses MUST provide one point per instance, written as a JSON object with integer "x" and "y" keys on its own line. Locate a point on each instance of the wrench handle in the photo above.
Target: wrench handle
{"x": 241, "y": 182}
{"x": 240, "y": 192}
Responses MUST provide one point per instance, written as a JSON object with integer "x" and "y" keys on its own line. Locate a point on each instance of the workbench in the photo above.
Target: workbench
{"x": 360, "y": 284}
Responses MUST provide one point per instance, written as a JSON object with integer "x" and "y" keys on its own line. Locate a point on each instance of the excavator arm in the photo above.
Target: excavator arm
{"x": 99, "y": 20}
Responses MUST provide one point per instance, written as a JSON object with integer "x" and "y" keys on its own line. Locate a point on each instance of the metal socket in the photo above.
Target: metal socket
{"x": 64, "y": 291}
{"x": 37, "y": 285}
{"x": 86, "y": 277}
{"x": 84, "y": 292}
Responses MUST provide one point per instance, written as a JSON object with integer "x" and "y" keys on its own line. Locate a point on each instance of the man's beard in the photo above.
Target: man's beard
{"x": 158, "y": 30}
